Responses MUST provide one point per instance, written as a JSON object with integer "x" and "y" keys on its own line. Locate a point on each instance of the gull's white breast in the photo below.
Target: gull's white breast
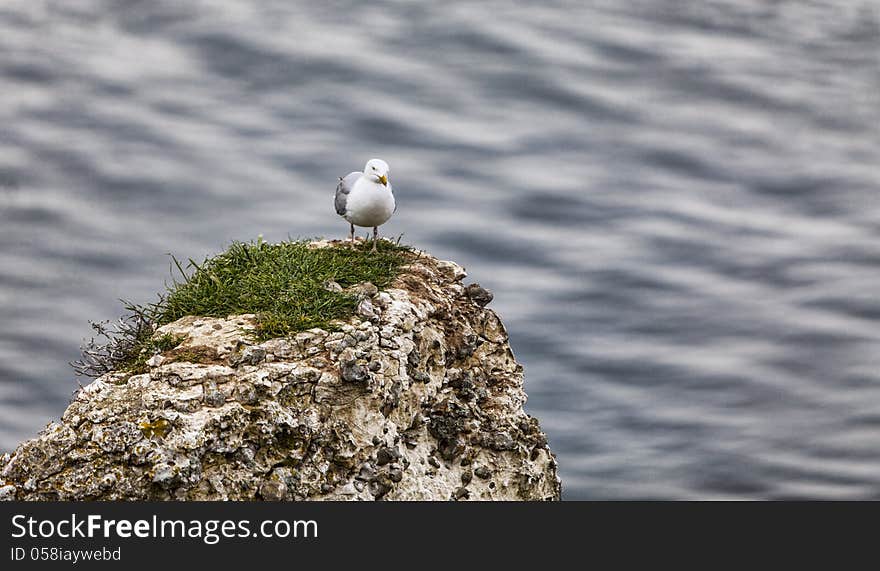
{"x": 369, "y": 203}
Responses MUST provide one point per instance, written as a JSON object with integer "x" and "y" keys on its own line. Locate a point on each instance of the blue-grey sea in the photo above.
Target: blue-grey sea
{"x": 677, "y": 204}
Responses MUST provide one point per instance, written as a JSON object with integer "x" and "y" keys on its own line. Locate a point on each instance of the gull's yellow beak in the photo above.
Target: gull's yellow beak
{"x": 383, "y": 179}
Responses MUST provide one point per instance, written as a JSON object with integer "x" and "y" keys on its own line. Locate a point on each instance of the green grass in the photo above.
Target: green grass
{"x": 283, "y": 284}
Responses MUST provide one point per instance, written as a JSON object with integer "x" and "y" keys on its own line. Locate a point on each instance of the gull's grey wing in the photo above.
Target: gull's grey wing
{"x": 343, "y": 189}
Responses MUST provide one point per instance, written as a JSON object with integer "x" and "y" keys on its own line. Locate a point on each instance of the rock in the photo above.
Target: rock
{"x": 250, "y": 355}
{"x": 365, "y": 309}
{"x": 450, "y": 271}
{"x": 354, "y": 373}
{"x": 479, "y": 295}
{"x": 220, "y": 335}
{"x": 386, "y": 456}
{"x": 273, "y": 490}
{"x": 366, "y": 289}
{"x": 332, "y": 286}
{"x": 213, "y": 396}
{"x": 423, "y": 400}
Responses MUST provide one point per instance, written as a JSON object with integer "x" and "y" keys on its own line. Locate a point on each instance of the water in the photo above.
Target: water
{"x": 676, "y": 205}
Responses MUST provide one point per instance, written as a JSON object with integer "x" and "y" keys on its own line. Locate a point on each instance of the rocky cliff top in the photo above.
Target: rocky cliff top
{"x": 416, "y": 397}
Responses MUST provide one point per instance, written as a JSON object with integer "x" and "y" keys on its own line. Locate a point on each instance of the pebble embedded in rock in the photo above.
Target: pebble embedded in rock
{"x": 212, "y": 396}
{"x": 482, "y": 472}
{"x": 245, "y": 393}
{"x": 379, "y": 487}
{"x": 502, "y": 441}
{"x": 366, "y": 309}
{"x": 252, "y": 356}
{"x": 273, "y": 490}
{"x": 479, "y": 295}
{"x": 367, "y": 473}
{"x": 366, "y": 289}
{"x": 386, "y": 456}
{"x": 108, "y": 481}
{"x": 355, "y": 373}
{"x": 451, "y": 448}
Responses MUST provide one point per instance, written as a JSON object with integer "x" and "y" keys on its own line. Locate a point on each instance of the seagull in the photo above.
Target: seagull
{"x": 365, "y": 198}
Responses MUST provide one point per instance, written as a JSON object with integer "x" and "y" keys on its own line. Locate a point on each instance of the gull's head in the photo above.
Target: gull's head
{"x": 377, "y": 171}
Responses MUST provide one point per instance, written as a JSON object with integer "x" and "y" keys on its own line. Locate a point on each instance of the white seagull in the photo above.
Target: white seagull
{"x": 365, "y": 198}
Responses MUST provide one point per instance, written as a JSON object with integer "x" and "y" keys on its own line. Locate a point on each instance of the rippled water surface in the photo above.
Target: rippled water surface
{"x": 676, "y": 203}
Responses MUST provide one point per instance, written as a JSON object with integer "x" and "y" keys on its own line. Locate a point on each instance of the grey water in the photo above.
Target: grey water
{"x": 675, "y": 203}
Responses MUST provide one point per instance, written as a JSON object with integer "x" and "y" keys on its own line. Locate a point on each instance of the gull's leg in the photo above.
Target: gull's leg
{"x": 375, "y": 236}
{"x": 352, "y": 234}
